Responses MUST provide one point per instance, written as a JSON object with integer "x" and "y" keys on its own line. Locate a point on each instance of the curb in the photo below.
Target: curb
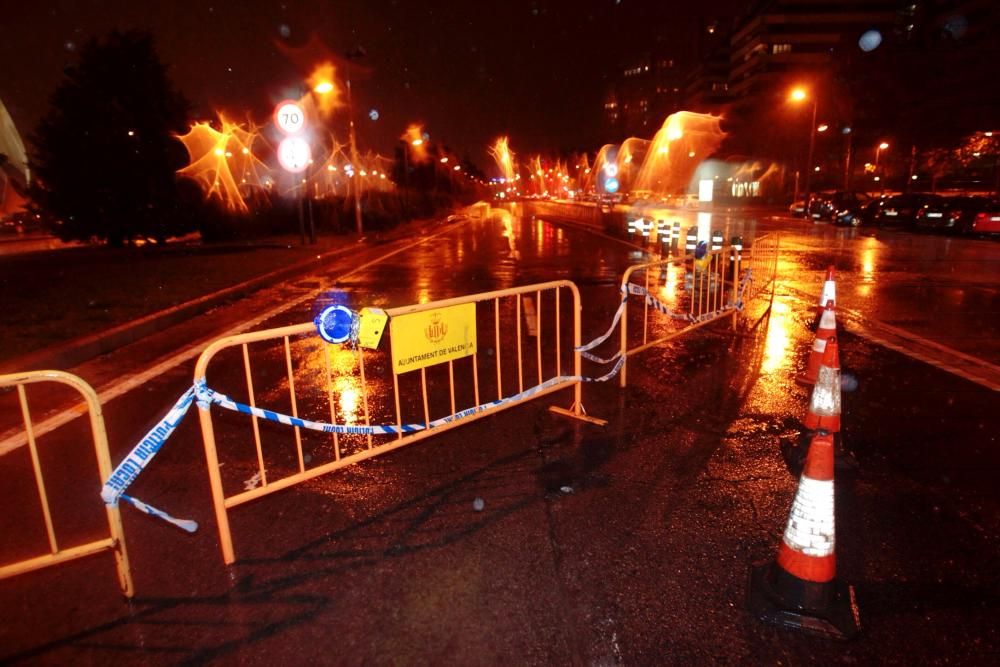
{"x": 76, "y": 351}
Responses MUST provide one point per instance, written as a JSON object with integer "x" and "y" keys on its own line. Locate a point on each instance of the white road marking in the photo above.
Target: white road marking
{"x": 15, "y": 438}
{"x": 933, "y": 353}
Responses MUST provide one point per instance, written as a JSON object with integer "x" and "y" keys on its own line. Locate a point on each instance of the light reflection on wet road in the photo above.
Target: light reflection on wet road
{"x": 642, "y": 560}
{"x": 942, "y": 288}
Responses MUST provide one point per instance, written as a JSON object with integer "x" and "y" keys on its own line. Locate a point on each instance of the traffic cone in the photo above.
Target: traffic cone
{"x": 824, "y": 403}
{"x": 799, "y": 589}
{"x": 829, "y": 294}
{"x": 827, "y": 328}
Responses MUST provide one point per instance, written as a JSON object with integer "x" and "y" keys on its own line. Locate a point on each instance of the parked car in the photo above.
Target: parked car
{"x": 798, "y": 208}
{"x": 863, "y": 215}
{"x": 829, "y": 205}
{"x": 950, "y": 214}
{"x": 986, "y": 220}
{"x": 902, "y": 209}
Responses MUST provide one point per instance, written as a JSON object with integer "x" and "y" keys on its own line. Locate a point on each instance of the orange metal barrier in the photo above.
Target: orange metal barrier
{"x": 762, "y": 261}
{"x": 115, "y": 542}
{"x": 526, "y": 339}
{"x": 690, "y": 293}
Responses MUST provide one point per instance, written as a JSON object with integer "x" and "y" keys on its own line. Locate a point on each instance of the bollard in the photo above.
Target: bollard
{"x": 737, "y": 245}
{"x": 692, "y": 240}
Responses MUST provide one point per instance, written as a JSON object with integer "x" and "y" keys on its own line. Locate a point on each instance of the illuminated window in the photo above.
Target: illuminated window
{"x": 781, "y": 48}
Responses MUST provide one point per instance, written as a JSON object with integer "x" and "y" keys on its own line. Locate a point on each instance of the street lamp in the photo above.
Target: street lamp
{"x": 800, "y": 95}
{"x": 878, "y": 151}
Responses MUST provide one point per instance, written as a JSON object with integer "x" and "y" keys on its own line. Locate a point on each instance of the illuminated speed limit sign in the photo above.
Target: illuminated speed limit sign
{"x": 289, "y": 117}
{"x": 294, "y": 154}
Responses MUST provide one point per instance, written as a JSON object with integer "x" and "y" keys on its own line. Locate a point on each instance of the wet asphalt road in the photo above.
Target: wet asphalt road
{"x": 627, "y": 544}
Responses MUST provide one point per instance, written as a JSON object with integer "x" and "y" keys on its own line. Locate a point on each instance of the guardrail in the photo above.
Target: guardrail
{"x": 375, "y": 399}
{"x": 58, "y": 554}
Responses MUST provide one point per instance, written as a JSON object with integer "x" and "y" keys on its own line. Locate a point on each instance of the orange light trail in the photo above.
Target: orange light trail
{"x": 504, "y": 157}
{"x": 223, "y": 161}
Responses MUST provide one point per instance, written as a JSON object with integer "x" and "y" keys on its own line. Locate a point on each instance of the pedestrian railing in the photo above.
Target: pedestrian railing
{"x": 58, "y": 551}
{"x": 446, "y": 363}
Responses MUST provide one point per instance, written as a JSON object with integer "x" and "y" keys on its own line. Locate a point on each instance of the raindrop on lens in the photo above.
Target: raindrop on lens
{"x": 284, "y": 30}
{"x": 870, "y": 40}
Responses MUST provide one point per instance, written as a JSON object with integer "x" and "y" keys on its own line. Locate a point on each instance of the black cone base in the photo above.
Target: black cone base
{"x": 773, "y": 598}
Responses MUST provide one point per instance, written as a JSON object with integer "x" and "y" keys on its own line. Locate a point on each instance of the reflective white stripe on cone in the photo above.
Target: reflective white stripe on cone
{"x": 827, "y": 328}
{"x": 828, "y": 294}
{"x": 799, "y": 589}
{"x": 807, "y": 548}
{"x": 824, "y": 404}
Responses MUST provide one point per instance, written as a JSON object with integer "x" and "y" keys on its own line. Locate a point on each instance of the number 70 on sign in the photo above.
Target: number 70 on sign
{"x": 289, "y": 117}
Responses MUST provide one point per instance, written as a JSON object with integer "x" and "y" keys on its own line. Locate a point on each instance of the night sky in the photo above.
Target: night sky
{"x": 469, "y": 71}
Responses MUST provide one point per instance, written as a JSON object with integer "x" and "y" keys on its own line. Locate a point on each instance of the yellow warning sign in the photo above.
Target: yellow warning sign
{"x": 432, "y": 336}
{"x": 373, "y": 322}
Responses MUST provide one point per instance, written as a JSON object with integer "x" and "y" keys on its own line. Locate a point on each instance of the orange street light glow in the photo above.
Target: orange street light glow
{"x": 798, "y": 94}
{"x": 414, "y": 136}
{"x": 883, "y": 145}
{"x": 321, "y": 82}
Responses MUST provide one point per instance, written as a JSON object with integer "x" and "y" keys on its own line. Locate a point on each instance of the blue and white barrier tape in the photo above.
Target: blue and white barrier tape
{"x": 601, "y": 360}
{"x": 208, "y": 397}
{"x": 614, "y": 323}
{"x": 184, "y": 524}
{"x": 128, "y": 470}
{"x": 638, "y": 290}
{"x": 651, "y": 300}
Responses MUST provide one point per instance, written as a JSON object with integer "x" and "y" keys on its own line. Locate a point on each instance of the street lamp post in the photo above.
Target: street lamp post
{"x": 878, "y": 152}
{"x": 847, "y": 157}
{"x": 355, "y": 54}
{"x": 812, "y": 145}
{"x": 798, "y": 95}
{"x": 354, "y": 159}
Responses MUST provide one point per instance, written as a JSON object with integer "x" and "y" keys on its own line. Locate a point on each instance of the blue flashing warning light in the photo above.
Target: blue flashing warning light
{"x": 334, "y": 324}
